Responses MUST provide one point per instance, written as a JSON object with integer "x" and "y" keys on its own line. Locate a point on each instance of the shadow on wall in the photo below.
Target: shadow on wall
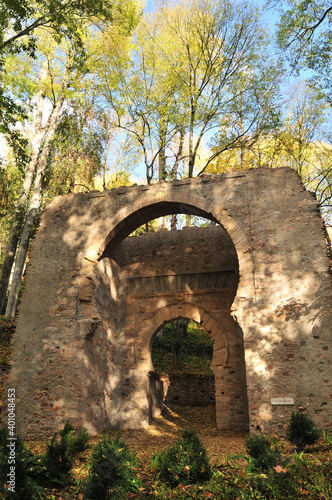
{"x": 123, "y": 399}
{"x": 79, "y": 362}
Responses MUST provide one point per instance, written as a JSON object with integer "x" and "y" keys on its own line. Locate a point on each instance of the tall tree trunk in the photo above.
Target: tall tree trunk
{"x": 175, "y": 172}
{"x": 242, "y": 142}
{"x": 242, "y": 156}
{"x": 178, "y": 154}
{"x": 174, "y": 222}
{"x": 162, "y": 162}
{"x": 189, "y": 220}
{"x": 21, "y": 202}
{"x": 191, "y": 162}
{"x": 162, "y": 149}
{"x": 180, "y": 331}
{"x": 32, "y": 212}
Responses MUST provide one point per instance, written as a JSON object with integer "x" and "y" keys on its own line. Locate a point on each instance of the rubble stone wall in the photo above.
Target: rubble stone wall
{"x": 93, "y": 303}
{"x": 182, "y": 390}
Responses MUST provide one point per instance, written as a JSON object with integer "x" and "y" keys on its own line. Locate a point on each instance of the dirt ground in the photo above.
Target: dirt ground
{"x": 159, "y": 435}
{"x": 167, "y": 427}
{"x": 220, "y": 445}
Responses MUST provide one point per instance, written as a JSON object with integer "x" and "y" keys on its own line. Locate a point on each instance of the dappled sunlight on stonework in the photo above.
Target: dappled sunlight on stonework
{"x": 258, "y": 365}
{"x": 94, "y": 300}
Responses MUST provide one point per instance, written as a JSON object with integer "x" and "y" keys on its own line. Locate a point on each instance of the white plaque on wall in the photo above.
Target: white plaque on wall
{"x": 282, "y": 401}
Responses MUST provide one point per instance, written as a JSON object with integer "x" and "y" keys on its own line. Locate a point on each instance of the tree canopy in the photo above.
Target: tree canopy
{"x": 19, "y": 22}
{"x": 305, "y": 32}
{"x": 181, "y": 79}
{"x": 192, "y": 87}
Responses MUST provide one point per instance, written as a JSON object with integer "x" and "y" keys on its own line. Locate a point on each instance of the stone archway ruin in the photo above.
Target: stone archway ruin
{"x": 172, "y": 312}
{"x": 228, "y": 415}
{"x": 88, "y": 305}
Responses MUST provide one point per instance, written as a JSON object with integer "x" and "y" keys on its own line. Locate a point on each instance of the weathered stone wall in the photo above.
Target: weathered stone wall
{"x": 164, "y": 307}
{"x": 177, "y": 271}
{"x": 184, "y": 390}
{"x": 82, "y": 344}
{"x": 190, "y": 250}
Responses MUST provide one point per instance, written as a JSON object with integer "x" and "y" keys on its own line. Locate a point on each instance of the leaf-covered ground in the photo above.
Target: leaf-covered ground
{"x": 166, "y": 428}
{"x": 220, "y": 445}
{"x": 159, "y": 435}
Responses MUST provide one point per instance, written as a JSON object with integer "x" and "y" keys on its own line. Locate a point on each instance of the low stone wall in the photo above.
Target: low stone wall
{"x": 187, "y": 390}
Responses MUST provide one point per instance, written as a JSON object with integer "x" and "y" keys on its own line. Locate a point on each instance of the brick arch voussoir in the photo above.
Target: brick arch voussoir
{"x": 146, "y": 201}
{"x": 216, "y": 210}
{"x": 169, "y": 313}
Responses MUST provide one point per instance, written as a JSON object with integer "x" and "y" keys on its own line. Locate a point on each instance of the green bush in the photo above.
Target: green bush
{"x": 26, "y": 466}
{"x": 57, "y": 462}
{"x": 75, "y": 443}
{"x": 302, "y": 431}
{"x": 328, "y": 438}
{"x": 183, "y": 463}
{"x": 111, "y": 471}
{"x": 32, "y": 473}
{"x": 263, "y": 455}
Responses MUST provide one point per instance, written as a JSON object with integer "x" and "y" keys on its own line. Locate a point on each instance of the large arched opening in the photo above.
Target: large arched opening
{"x": 151, "y": 292}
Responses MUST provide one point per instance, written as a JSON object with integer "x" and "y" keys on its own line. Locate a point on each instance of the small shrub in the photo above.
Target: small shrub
{"x": 49, "y": 470}
{"x": 183, "y": 463}
{"x": 302, "y": 431}
{"x": 57, "y": 461}
{"x": 76, "y": 444}
{"x": 263, "y": 455}
{"x": 111, "y": 471}
{"x": 56, "y": 464}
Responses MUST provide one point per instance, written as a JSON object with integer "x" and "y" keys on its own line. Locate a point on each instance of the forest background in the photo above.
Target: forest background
{"x": 98, "y": 94}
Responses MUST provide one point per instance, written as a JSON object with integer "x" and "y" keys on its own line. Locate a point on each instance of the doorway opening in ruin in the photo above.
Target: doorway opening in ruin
{"x": 182, "y": 353}
{"x": 167, "y": 274}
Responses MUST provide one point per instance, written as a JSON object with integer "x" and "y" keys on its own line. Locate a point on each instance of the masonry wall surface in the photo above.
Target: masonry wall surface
{"x": 82, "y": 352}
{"x": 182, "y": 390}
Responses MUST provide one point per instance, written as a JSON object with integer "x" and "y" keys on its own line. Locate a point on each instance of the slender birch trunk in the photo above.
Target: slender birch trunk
{"x": 180, "y": 332}
{"x": 162, "y": 163}
{"x": 23, "y": 248}
{"x": 162, "y": 149}
{"x": 32, "y": 213}
{"x": 175, "y": 171}
{"x": 21, "y": 202}
{"x": 36, "y": 194}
